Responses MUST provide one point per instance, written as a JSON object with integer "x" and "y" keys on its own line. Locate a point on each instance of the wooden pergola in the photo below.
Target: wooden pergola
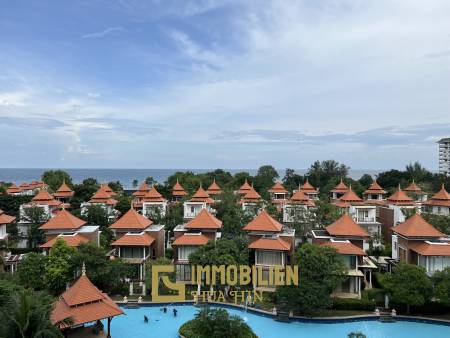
{"x": 84, "y": 303}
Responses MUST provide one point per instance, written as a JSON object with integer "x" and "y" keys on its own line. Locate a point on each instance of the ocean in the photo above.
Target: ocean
{"x": 126, "y": 176}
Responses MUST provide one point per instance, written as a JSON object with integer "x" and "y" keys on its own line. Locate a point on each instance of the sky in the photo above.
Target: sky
{"x": 229, "y": 84}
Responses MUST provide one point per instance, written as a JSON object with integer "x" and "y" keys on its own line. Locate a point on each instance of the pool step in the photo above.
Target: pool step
{"x": 282, "y": 316}
{"x": 132, "y": 304}
{"x": 386, "y": 317}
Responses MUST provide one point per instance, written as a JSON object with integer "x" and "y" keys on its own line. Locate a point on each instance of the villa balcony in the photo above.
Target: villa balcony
{"x": 365, "y": 219}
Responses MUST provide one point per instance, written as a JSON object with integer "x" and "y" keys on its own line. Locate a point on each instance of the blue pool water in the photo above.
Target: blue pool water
{"x": 164, "y": 325}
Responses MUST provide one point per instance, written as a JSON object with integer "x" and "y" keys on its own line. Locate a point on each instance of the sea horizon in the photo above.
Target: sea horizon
{"x": 126, "y": 175}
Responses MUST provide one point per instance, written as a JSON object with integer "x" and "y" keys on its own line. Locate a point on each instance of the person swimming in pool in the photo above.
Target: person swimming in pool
{"x": 145, "y": 319}
{"x": 175, "y": 312}
{"x": 164, "y": 309}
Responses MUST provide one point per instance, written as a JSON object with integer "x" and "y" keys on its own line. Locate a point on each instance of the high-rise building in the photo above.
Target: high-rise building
{"x": 444, "y": 156}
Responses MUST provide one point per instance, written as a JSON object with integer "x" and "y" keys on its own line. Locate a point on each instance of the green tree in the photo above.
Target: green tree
{"x": 232, "y": 216}
{"x": 417, "y": 172}
{"x": 264, "y": 179}
{"x": 84, "y": 191}
{"x": 123, "y": 203}
{"x": 441, "y": 283}
{"x": 366, "y": 180}
{"x": 116, "y": 186}
{"x": 174, "y": 216}
{"x": 135, "y": 183}
{"x": 150, "y": 181}
{"x": 320, "y": 173}
{"x": 221, "y": 252}
{"x": 291, "y": 180}
{"x": 54, "y": 179}
{"x": 97, "y": 215}
{"x": 30, "y": 271}
{"x": 408, "y": 284}
{"x": 440, "y": 222}
{"x": 11, "y": 204}
{"x": 216, "y": 323}
{"x": 107, "y": 274}
{"x": 59, "y": 267}
{"x": 320, "y": 272}
{"x": 26, "y": 314}
{"x": 35, "y": 216}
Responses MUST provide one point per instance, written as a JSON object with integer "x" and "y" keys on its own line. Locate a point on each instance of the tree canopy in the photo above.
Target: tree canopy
{"x": 216, "y": 323}
{"x": 408, "y": 284}
{"x": 320, "y": 271}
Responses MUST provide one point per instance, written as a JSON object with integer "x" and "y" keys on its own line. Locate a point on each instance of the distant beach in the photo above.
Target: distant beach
{"x": 126, "y": 176}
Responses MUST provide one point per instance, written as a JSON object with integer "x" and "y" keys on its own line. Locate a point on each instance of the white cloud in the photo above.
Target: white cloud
{"x": 102, "y": 33}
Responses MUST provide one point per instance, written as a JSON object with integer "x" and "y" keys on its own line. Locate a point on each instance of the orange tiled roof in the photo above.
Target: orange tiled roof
{"x": 244, "y": 188}
{"x": 346, "y": 226}
{"x": 6, "y": 219}
{"x": 84, "y": 303}
{"x": 13, "y": 189}
{"x": 427, "y": 249}
{"x": 143, "y": 239}
{"x": 42, "y": 195}
{"x": 400, "y": 198}
{"x": 264, "y": 223}
{"x": 299, "y": 197}
{"x": 25, "y": 186}
{"x": 264, "y": 243}
{"x": 132, "y": 220}
{"x": 416, "y": 226}
{"x": 441, "y": 198}
{"x": 278, "y": 188}
{"x": 142, "y": 190}
{"x": 350, "y": 196}
{"x": 201, "y": 196}
{"x": 252, "y": 196}
{"x": 414, "y": 188}
{"x": 63, "y": 191}
{"x": 71, "y": 240}
{"x": 374, "y": 188}
{"x": 307, "y": 187}
{"x": 345, "y": 248}
{"x": 103, "y": 196}
{"x": 191, "y": 239}
{"x": 204, "y": 220}
{"x": 153, "y": 196}
{"x": 214, "y": 189}
{"x": 178, "y": 190}
{"x": 340, "y": 188}
{"x": 63, "y": 220}
{"x": 108, "y": 189}
{"x": 37, "y": 184}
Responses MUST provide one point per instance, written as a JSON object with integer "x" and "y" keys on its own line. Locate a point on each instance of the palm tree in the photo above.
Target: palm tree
{"x": 356, "y": 335}
{"x": 26, "y": 314}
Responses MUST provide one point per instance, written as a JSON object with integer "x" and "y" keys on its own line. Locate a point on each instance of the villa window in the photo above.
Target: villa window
{"x": 131, "y": 252}
{"x": 269, "y": 257}
{"x": 185, "y": 251}
{"x": 183, "y": 272}
{"x": 349, "y": 261}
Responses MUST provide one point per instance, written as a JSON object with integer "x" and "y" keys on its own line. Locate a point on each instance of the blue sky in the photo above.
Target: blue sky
{"x": 232, "y": 84}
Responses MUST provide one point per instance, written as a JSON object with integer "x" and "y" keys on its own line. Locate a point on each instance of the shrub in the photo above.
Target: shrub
{"x": 353, "y": 304}
{"x": 216, "y": 323}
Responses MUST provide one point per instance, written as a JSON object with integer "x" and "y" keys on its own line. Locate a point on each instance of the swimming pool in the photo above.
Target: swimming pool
{"x": 165, "y": 325}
